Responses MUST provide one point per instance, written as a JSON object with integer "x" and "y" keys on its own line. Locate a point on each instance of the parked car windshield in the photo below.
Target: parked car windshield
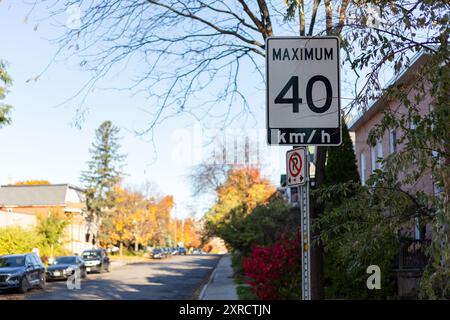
{"x": 91, "y": 254}
{"x": 11, "y": 262}
{"x": 65, "y": 260}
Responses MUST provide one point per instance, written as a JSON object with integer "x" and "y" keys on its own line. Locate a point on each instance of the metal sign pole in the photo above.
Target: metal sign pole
{"x": 305, "y": 233}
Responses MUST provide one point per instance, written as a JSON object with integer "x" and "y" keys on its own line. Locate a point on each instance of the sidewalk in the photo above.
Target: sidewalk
{"x": 221, "y": 285}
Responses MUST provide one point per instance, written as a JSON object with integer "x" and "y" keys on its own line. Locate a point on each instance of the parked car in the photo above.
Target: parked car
{"x": 198, "y": 251}
{"x": 181, "y": 251}
{"x": 157, "y": 254}
{"x": 64, "y": 267}
{"x": 96, "y": 260}
{"x": 21, "y": 272}
{"x": 113, "y": 249}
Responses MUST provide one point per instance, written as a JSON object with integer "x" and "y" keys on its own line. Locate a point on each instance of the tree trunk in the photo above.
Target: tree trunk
{"x": 136, "y": 246}
{"x": 90, "y": 238}
{"x": 121, "y": 248}
{"x": 317, "y": 277}
{"x": 97, "y": 226}
{"x": 317, "y": 281}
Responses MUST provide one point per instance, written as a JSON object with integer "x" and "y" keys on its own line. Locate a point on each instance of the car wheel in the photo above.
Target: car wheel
{"x": 84, "y": 274}
{"x": 24, "y": 285}
{"x": 42, "y": 282}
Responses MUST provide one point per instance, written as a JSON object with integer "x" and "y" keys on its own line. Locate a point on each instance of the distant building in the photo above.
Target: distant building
{"x": 25, "y": 220}
{"x": 22, "y": 205}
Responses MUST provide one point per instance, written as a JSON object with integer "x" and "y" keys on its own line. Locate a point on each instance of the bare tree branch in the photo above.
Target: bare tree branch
{"x": 189, "y": 15}
{"x": 342, "y": 15}
{"x": 252, "y": 16}
{"x": 329, "y": 15}
{"x": 301, "y": 13}
{"x": 313, "y": 17}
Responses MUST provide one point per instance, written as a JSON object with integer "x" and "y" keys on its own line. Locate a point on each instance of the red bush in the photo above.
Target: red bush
{"x": 275, "y": 271}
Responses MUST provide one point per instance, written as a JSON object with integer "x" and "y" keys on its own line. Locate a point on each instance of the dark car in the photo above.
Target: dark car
{"x": 21, "y": 272}
{"x": 96, "y": 260}
{"x": 157, "y": 254}
{"x": 64, "y": 267}
{"x": 181, "y": 251}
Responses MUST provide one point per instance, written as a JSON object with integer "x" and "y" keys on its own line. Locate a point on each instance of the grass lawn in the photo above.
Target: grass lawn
{"x": 243, "y": 289}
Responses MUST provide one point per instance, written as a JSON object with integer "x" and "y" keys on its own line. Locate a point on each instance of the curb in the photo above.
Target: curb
{"x": 210, "y": 280}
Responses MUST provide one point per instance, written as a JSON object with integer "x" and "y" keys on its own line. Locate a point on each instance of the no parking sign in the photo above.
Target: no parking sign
{"x": 296, "y": 167}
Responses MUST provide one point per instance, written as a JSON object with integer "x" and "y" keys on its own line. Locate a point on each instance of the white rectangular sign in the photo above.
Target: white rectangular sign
{"x": 303, "y": 91}
{"x": 296, "y": 164}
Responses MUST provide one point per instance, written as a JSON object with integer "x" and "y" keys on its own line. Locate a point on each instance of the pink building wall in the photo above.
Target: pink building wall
{"x": 362, "y": 133}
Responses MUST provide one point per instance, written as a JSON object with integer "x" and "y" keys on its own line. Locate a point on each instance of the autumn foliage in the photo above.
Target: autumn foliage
{"x": 137, "y": 220}
{"x": 244, "y": 187}
{"x": 243, "y": 190}
{"x": 274, "y": 271}
{"x": 187, "y": 232}
{"x": 31, "y": 182}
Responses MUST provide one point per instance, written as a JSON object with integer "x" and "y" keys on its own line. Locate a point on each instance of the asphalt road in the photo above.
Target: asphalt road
{"x": 177, "y": 278}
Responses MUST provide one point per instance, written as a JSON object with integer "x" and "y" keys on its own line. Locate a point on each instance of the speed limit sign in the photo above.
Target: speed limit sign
{"x": 303, "y": 91}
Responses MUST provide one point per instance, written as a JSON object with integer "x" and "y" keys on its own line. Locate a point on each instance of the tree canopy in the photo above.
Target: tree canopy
{"x": 5, "y": 83}
{"x": 104, "y": 172}
{"x": 243, "y": 190}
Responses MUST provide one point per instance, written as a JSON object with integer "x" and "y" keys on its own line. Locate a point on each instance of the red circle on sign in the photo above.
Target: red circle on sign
{"x": 295, "y": 167}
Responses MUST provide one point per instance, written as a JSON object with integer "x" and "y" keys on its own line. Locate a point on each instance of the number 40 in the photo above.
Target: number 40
{"x": 295, "y": 100}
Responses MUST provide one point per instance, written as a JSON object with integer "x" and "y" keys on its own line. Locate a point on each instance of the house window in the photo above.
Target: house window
{"x": 379, "y": 152}
{"x": 363, "y": 168}
{"x": 392, "y": 141}
{"x": 373, "y": 158}
{"x": 416, "y": 229}
{"x": 438, "y": 189}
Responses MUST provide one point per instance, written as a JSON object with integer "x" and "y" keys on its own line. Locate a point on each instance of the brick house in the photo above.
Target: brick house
{"x": 22, "y": 204}
{"x": 411, "y": 257}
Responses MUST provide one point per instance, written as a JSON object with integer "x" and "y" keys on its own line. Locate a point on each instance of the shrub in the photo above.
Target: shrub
{"x": 45, "y": 251}
{"x": 17, "y": 240}
{"x": 275, "y": 271}
{"x": 263, "y": 226}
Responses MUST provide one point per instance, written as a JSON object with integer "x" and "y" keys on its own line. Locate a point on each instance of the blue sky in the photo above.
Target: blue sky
{"x": 43, "y": 141}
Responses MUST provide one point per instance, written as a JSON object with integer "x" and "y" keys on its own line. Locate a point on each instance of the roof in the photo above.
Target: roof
{"x": 35, "y": 195}
{"x": 417, "y": 61}
{"x": 15, "y": 255}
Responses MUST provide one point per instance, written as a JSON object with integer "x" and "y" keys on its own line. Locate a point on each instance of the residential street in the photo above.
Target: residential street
{"x": 179, "y": 277}
{"x": 224, "y": 150}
